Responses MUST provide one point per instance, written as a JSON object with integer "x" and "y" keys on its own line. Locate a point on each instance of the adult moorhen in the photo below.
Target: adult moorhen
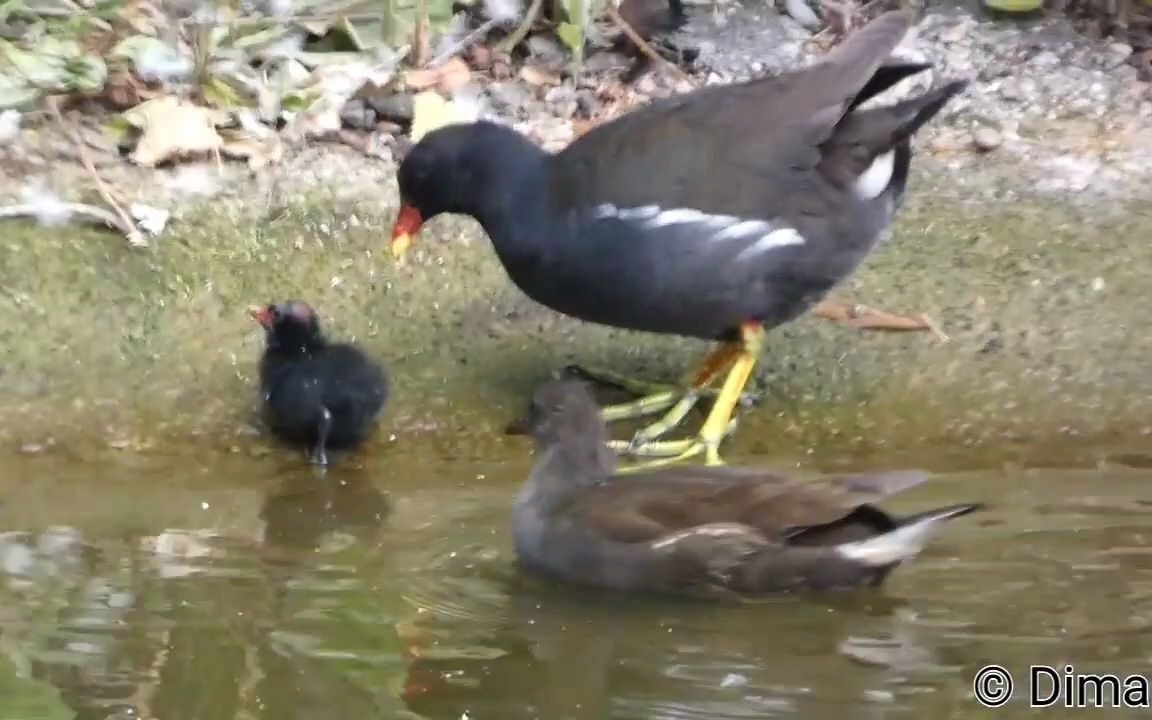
{"x": 315, "y": 393}
{"x": 698, "y": 529}
{"x": 715, "y": 214}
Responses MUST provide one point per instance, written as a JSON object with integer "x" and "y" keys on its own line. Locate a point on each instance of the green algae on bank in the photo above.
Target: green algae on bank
{"x": 130, "y": 347}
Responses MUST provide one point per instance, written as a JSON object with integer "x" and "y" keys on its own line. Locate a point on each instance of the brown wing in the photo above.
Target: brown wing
{"x": 767, "y": 127}
{"x": 650, "y": 506}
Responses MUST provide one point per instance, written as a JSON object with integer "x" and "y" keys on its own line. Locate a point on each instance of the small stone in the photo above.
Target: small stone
{"x": 646, "y": 85}
{"x": 986, "y": 138}
{"x": 1121, "y": 51}
{"x": 1011, "y": 90}
{"x": 509, "y": 95}
{"x": 396, "y": 107}
{"x": 954, "y": 34}
{"x": 544, "y": 48}
{"x": 356, "y": 114}
{"x": 560, "y": 95}
{"x": 9, "y": 126}
{"x": 602, "y": 62}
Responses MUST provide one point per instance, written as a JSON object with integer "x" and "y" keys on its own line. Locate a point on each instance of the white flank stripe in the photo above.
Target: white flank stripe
{"x": 729, "y": 227}
{"x": 677, "y": 216}
{"x": 775, "y": 239}
{"x": 875, "y": 179}
{"x": 742, "y": 229}
{"x": 644, "y": 212}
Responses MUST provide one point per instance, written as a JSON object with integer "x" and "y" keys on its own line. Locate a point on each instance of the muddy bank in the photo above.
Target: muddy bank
{"x": 108, "y": 347}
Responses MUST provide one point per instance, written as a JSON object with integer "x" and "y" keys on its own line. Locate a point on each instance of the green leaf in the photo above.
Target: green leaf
{"x": 219, "y": 93}
{"x": 38, "y": 69}
{"x": 297, "y": 102}
{"x": 14, "y": 92}
{"x": 86, "y": 74}
{"x": 118, "y": 129}
{"x": 25, "y": 699}
{"x": 572, "y": 36}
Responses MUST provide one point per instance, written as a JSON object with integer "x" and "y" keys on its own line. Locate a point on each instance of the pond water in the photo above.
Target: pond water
{"x": 196, "y": 583}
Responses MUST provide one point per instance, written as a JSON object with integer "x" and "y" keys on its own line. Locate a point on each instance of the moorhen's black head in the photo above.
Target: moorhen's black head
{"x": 561, "y": 410}
{"x": 458, "y": 168}
{"x": 291, "y": 324}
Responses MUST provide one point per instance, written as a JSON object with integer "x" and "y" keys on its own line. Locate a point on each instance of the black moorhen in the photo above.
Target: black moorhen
{"x": 315, "y": 393}
{"x": 698, "y": 529}
{"x": 715, "y": 214}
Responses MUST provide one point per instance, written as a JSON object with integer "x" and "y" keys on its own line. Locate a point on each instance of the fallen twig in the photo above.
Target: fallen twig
{"x": 464, "y": 43}
{"x": 420, "y": 34}
{"x": 863, "y": 317}
{"x": 90, "y": 211}
{"x": 641, "y": 44}
{"x": 522, "y": 29}
{"x": 126, "y": 224}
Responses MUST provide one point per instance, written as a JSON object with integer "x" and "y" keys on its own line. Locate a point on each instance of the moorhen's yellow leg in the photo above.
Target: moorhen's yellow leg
{"x": 657, "y": 396}
{"x": 715, "y": 428}
{"x": 644, "y": 388}
{"x": 719, "y": 360}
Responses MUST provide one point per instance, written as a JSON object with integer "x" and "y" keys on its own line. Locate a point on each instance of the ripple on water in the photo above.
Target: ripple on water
{"x": 305, "y": 593}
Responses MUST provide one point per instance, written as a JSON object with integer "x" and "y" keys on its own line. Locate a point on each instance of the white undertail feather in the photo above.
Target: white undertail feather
{"x": 876, "y": 178}
{"x": 903, "y": 543}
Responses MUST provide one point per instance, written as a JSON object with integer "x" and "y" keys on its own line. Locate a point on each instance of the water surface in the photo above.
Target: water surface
{"x": 218, "y": 586}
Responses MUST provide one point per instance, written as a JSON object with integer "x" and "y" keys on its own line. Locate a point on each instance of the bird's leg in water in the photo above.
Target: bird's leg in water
{"x": 320, "y": 455}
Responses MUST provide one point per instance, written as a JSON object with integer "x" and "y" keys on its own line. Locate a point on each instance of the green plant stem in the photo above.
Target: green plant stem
{"x": 522, "y": 29}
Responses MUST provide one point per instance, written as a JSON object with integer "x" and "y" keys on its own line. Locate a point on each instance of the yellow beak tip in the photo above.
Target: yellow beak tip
{"x": 400, "y": 245}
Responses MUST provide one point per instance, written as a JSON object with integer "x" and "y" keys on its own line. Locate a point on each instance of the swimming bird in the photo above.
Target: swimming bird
{"x": 699, "y": 530}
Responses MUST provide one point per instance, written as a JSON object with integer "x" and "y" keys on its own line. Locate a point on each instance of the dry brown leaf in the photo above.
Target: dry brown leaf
{"x": 171, "y": 128}
{"x": 143, "y": 17}
{"x": 480, "y": 57}
{"x": 258, "y": 151}
{"x": 421, "y": 79}
{"x": 124, "y": 90}
{"x": 538, "y": 76}
{"x": 448, "y": 77}
{"x": 454, "y": 74}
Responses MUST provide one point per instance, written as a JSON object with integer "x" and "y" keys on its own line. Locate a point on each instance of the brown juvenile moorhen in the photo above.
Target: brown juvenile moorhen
{"x": 698, "y": 529}
{"x": 714, "y": 214}
{"x": 315, "y": 393}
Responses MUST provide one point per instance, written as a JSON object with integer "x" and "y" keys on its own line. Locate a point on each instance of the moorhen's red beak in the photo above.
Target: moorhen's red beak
{"x": 408, "y": 223}
{"x": 261, "y": 314}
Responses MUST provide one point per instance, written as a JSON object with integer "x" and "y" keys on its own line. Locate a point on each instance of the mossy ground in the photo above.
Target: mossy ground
{"x": 1044, "y": 302}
